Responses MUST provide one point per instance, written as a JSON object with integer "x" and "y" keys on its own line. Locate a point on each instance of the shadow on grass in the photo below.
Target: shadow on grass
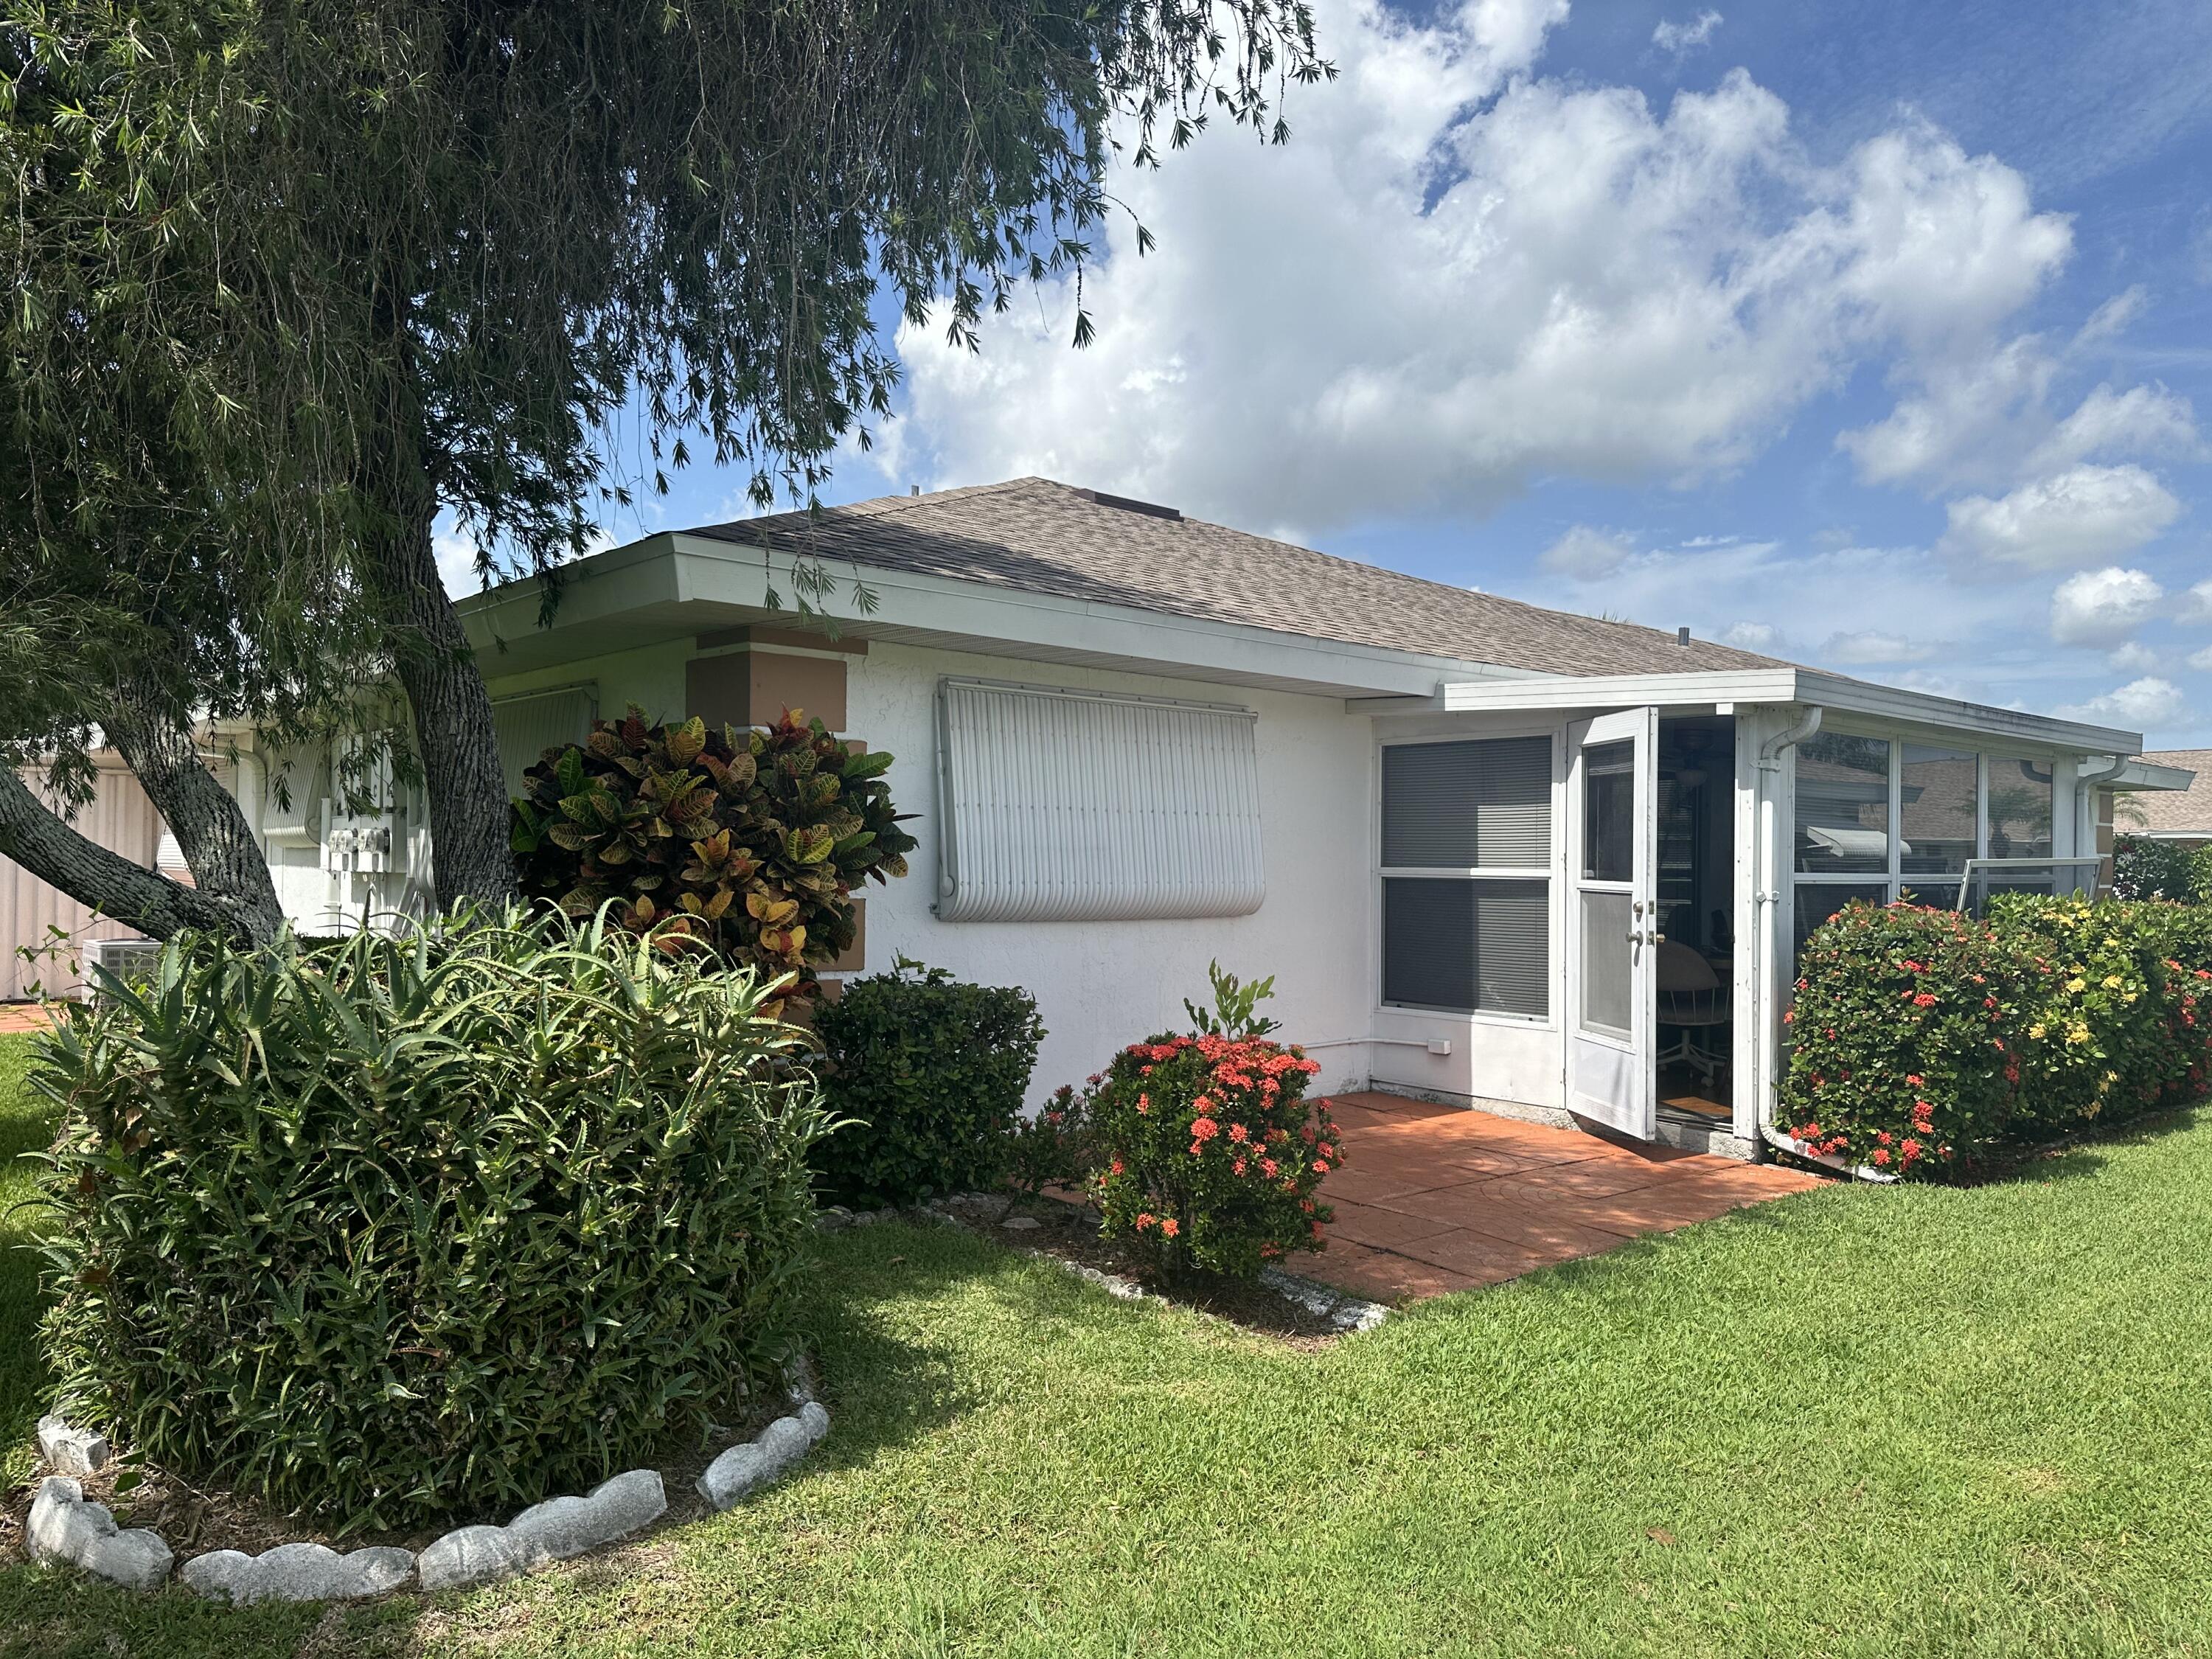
{"x": 2072, "y": 1156}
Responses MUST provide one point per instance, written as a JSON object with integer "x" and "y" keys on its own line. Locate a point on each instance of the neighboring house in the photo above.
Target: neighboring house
{"x": 44, "y": 931}
{"x": 1454, "y": 827}
{"x": 2181, "y": 815}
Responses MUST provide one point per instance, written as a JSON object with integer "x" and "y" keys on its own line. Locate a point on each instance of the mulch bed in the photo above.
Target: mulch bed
{"x": 1069, "y": 1231}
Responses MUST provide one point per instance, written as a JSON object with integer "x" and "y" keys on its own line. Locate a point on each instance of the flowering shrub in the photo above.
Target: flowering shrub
{"x": 2107, "y": 1012}
{"x": 1924, "y": 1039}
{"x": 1211, "y": 1155}
{"x": 1901, "y": 1058}
{"x": 1051, "y": 1146}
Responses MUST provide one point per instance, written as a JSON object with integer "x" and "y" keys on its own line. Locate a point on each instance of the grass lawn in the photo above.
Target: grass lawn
{"x": 1852, "y": 1422}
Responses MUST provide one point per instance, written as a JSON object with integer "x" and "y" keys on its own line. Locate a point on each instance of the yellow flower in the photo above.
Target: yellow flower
{"x": 2113, "y": 982}
{"x": 2037, "y": 1032}
{"x": 2079, "y": 1034}
{"x": 2077, "y": 985}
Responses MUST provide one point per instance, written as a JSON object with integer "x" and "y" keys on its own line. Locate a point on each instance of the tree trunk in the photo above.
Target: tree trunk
{"x": 454, "y": 736}
{"x": 106, "y": 881}
{"x": 211, "y": 829}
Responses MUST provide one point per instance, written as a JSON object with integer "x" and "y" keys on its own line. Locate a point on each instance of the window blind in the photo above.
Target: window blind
{"x": 1460, "y": 805}
{"x": 530, "y": 724}
{"x": 1467, "y": 944}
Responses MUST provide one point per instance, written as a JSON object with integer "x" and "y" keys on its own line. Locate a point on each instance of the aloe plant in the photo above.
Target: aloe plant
{"x": 751, "y": 841}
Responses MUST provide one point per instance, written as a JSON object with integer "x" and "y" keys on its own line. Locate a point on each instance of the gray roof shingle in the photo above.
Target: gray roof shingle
{"x": 1040, "y": 537}
{"x": 2178, "y": 811}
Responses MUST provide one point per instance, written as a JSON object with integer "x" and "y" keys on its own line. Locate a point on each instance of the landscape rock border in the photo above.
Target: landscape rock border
{"x": 66, "y": 1525}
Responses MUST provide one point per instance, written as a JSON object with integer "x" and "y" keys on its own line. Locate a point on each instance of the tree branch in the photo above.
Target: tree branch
{"x": 106, "y": 881}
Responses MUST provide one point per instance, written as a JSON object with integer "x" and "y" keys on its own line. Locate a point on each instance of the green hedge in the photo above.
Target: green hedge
{"x": 931, "y": 1073}
{"x": 436, "y": 1226}
{"x": 1928, "y": 1041}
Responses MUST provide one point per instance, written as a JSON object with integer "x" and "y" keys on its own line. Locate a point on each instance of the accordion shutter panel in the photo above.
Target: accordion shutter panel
{"x": 1075, "y": 807}
{"x": 530, "y": 724}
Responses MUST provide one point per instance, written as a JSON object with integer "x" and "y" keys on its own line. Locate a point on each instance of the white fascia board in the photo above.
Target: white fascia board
{"x": 2146, "y": 774}
{"x": 1888, "y": 704}
{"x": 1690, "y": 688}
{"x": 672, "y": 584}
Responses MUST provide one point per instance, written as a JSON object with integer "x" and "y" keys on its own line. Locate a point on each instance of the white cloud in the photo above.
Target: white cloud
{"x": 2196, "y": 603}
{"x": 2143, "y": 705}
{"x": 1586, "y": 554}
{"x": 2072, "y": 517}
{"x": 1680, "y": 37}
{"x": 456, "y": 554}
{"x": 1873, "y": 645}
{"x": 2202, "y": 659}
{"x": 2103, "y": 607}
{"x": 1751, "y": 635}
{"x": 1458, "y": 277}
{"x": 2134, "y": 657}
{"x": 2143, "y": 420}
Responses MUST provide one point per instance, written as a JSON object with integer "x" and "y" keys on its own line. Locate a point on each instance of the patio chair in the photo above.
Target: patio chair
{"x": 1693, "y": 999}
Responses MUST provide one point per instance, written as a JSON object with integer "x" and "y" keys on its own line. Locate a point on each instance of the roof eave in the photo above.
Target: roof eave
{"x": 1784, "y": 684}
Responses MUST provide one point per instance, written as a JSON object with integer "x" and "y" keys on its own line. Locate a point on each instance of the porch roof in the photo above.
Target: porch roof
{"x": 1731, "y": 688}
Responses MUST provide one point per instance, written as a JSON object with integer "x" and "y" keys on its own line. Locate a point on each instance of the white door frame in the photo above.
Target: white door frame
{"x": 1611, "y": 1073}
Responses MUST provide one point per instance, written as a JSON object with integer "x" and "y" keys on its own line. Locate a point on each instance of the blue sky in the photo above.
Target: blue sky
{"x": 1873, "y": 335}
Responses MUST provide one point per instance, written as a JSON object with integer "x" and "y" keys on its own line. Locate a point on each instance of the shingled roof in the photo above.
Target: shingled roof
{"x": 1040, "y": 537}
{"x": 2178, "y": 811}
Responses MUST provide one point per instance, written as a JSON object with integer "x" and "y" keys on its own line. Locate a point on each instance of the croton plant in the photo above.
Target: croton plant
{"x": 750, "y": 841}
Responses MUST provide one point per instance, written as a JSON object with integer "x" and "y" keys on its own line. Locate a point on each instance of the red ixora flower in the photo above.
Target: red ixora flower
{"x": 1204, "y": 1129}
{"x": 1171, "y": 1226}
{"x": 1145, "y": 1219}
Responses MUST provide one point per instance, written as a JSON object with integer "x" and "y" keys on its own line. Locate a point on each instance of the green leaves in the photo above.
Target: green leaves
{"x": 405, "y": 1227}
{"x": 750, "y": 842}
{"x": 930, "y": 1074}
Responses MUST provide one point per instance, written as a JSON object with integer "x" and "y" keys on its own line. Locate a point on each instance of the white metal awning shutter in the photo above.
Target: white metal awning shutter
{"x": 1062, "y": 805}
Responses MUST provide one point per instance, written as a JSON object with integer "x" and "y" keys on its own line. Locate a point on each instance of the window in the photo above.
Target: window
{"x": 1950, "y": 806}
{"x": 2020, "y": 808}
{"x": 1843, "y": 805}
{"x": 1467, "y": 856}
{"x": 1085, "y": 806}
{"x": 1939, "y": 805}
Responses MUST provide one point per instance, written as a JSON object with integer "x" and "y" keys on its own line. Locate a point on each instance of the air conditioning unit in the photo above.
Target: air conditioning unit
{"x": 133, "y": 961}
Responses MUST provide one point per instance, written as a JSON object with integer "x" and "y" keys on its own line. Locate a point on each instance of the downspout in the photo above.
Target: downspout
{"x": 2085, "y": 786}
{"x": 1765, "y": 942}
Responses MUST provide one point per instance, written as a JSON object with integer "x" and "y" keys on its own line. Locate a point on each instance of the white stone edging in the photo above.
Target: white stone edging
{"x": 65, "y": 1526}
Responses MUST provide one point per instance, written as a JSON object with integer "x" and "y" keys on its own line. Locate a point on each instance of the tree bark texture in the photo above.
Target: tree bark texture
{"x": 104, "y": 881}
{"x": 455, "y": 737}
{"x": 226, "y": 861}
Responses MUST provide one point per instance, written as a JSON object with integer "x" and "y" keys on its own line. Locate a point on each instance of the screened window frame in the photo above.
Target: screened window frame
{"x": 1935, "y": 886}
{"x": 1553, "y": 737}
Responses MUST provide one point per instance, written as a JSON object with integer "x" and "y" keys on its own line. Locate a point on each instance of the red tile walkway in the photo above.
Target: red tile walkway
{"x": 23, "y": 1017}
{"x": 1433, "y": 1199}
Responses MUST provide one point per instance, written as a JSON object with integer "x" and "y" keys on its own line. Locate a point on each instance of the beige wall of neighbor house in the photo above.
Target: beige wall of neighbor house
{"x": 49, "y": 926}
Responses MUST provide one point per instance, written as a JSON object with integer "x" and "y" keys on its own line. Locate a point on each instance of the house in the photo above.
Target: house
{"x": 1493, "y": 854}
{"x": 1496, "y": 855}
{"x": 2183, "y": 815}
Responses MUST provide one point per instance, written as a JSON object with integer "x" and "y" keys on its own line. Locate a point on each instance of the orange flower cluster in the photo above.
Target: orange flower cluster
{"x": 1211, "y": 1155}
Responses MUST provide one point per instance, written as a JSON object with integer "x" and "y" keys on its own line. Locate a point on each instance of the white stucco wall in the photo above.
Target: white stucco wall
{"x": 1100, "y": 985}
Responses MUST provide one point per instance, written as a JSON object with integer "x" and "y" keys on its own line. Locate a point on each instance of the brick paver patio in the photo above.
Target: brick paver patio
{"x": 23, "y": 1017}
{"x": 1433, "y": 1199}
